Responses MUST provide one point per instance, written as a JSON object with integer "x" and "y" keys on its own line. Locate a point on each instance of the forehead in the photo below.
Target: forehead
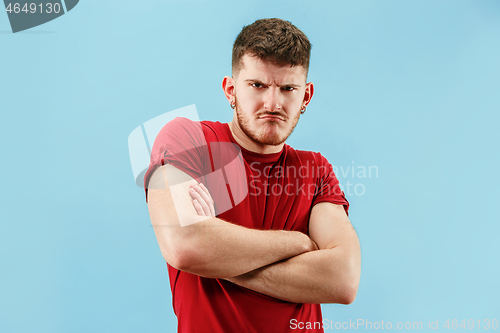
{"x": 252, "y": 67}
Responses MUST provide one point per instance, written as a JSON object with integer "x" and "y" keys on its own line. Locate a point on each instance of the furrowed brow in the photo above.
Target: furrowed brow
{"x": 293, "y": 85}
{"x": 256, "y": 81}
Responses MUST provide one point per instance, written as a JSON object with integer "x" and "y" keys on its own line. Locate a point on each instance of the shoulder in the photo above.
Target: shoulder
{"x": 306, "y": 155}
{"x": 178, "y": 132}
{"x": 180, "y": 127}
{"x": 181, "y": 123}
{"x": 213, "y": 127}
{"x": 315, "y": 163}
{"x": 183, "y": 134}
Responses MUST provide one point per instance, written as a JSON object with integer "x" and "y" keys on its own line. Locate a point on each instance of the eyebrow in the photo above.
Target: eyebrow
{"x": 266, "y": 84}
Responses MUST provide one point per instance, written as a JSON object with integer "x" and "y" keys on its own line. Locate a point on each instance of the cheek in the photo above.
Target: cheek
{"x": 249, "y": 103}
{"x": 295, "y": 100}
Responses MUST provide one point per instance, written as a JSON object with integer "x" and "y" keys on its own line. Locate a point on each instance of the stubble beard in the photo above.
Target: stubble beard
{"x": 264, "y": 137}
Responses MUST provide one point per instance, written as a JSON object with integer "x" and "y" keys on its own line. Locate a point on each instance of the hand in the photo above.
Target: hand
{"x": 202, "y": 200}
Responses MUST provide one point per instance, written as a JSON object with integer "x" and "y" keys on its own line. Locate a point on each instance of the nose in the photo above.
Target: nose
{"x": 272, "y": 99}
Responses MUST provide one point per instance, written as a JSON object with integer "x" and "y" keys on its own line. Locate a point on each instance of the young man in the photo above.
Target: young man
{"x": 257, "y": 246}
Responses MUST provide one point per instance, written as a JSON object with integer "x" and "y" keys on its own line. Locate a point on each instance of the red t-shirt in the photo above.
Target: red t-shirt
{"x": 262, "y": 191}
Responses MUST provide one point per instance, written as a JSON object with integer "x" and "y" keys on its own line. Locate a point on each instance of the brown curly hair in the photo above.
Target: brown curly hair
{"x": 273, "y": 40}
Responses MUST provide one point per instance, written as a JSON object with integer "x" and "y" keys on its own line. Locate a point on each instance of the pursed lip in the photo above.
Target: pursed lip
{"x": 271, "y": 118}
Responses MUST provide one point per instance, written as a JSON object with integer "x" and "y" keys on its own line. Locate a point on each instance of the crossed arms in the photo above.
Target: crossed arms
{"x": 323, "y": 267}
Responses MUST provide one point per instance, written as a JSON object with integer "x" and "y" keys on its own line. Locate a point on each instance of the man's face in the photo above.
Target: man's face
{"x": 268, "y": 99}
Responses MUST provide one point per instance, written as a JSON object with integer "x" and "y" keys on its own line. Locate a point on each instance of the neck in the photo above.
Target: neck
{"x": 243, "y": 140}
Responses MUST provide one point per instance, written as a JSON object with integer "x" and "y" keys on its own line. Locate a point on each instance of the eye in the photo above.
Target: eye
{"x": 257, "y": 85}
{"x": 288, "y": 88}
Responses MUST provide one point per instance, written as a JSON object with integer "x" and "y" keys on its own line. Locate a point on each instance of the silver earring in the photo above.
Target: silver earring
{"x": 232, "y": 105}
{"x": 303, "y": 110}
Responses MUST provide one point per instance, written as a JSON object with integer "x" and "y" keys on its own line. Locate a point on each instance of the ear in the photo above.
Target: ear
{"x": 308, "y": 94}
{"x": 228, "y": 87}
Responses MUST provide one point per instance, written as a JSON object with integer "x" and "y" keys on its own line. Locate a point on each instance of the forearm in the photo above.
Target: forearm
{"x": 219, "y": 249}
{"x": 208, "y": 246}
{"x": 323, "y": 276}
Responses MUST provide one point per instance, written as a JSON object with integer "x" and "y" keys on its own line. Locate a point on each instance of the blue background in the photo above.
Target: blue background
{"x": 410, "y": 87}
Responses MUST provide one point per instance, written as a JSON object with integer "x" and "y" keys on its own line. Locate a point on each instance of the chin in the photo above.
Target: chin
{"x": 271, "y": 139}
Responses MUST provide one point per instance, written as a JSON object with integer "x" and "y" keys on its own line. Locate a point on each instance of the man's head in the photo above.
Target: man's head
{"x": 268, "y": 87}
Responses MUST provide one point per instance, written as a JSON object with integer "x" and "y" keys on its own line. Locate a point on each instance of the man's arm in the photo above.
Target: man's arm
{"x": 330, "y": 275}
{"x": 208, "y": 246}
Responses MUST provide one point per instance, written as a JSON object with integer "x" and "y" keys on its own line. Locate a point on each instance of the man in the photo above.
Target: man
{"x": 273, "y": 254}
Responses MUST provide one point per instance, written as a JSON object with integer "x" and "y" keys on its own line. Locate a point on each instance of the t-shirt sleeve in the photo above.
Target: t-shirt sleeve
{"x": 328, "y": 187}
{"x": 182, "y": 144}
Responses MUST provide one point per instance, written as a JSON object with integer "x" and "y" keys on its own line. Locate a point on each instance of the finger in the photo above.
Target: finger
{"x": 203, "y": 187}
{"x": 204, "y": 198}
{"x": 195, "y": 194}
{"x": 209, "y": 199}
{"x": 203, "y": 192}
{"x": 205, "y": 195}
{"x": 198, "y": 208}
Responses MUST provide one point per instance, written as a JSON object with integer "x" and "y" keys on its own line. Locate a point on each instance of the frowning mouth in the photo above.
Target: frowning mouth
{"x": 269, "y": 117}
